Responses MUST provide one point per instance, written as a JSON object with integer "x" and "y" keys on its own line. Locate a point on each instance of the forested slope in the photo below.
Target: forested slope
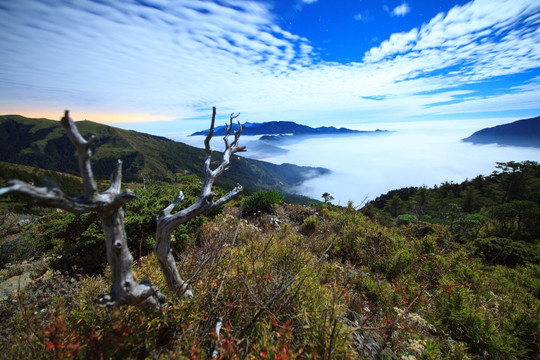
{"x": 43, "y": 143}
{"x": 497, "y": 215}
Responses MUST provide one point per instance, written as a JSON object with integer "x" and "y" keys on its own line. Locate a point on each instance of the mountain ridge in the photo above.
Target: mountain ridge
{"x": 284, "y": 127}
{"x": 43, "y": 143}
{"x": 525, "y": 132}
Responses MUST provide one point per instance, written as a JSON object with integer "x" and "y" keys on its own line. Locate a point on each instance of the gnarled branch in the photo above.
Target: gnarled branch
{"x": 167, "y": 222}
{"x": 124, "y": 289}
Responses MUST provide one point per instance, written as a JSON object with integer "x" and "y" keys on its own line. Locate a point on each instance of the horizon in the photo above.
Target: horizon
{"x": 163, "y": 65}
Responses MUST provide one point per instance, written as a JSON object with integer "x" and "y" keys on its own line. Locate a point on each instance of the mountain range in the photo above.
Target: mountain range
{"x": 518, "y": 133}
{"x": 44, "y": 144}
{"x": 284, "y": 127}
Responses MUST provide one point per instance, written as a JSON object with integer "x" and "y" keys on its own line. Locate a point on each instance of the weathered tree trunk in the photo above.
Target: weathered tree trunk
{"x": 167, "y": 222}
{"x": 124, "y": 289}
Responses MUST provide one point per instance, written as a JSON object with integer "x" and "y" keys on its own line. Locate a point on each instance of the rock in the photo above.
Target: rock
{"x": 14, "y": 284}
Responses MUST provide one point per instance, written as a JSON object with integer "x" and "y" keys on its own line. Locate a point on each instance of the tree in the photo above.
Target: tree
{"x": 327, "y": 197}
{"x": 167, "y": 222}
{"x": 108, "y": 204}
{"x": 394, "y": 206}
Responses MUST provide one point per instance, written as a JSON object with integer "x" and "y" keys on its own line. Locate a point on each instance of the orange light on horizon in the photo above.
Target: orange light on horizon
{"x": 78, "y": 115}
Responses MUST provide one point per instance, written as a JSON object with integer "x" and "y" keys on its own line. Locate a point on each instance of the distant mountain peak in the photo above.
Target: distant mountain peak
{"x": 281, "y": 128}
{"x": 524, "y": 132}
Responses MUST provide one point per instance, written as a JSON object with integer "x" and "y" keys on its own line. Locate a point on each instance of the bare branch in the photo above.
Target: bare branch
{"x": 168, "y": 209}
{"x": 210, "y": 133}
{"x": 50, "y": 196}
{"x": 116, "y": 178}
{"x": 84, "y": 153}
{"x": 167, "y": 222}
{"x": 124, "y": 289}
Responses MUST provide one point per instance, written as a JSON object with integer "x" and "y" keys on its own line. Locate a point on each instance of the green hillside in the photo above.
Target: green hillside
{"x": 495, "y": 215}
{"x": 43, "y": 143}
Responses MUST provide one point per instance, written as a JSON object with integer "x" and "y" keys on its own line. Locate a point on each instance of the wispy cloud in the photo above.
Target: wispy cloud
{"x": 363, "y": 16}
{"x": 401, "y": 10}
{"x": 172, "y": 60}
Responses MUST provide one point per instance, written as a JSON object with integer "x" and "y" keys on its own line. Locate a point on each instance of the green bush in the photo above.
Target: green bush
{"x": 261, "y": 202}
{"x": 504, "y": 251}
{"x": 310, "y": 224}
{"x": 405, "y": 219}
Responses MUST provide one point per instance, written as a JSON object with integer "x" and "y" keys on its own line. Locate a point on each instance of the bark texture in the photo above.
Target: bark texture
{"x": 168, "y": 222}
{"x": 108, "y": 204}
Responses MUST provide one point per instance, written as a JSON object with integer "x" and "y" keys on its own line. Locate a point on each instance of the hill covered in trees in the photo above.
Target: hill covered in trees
{"x": 518, "y": 133}
{"x": 42, "y": 143}
{"x": 497, "y": 215}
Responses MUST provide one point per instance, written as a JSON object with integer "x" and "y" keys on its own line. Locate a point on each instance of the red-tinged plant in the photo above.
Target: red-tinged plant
{"x": 65, "y": 344}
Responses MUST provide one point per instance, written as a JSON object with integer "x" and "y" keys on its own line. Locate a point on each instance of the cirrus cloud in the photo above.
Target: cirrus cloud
{"x": 170, "y": 60}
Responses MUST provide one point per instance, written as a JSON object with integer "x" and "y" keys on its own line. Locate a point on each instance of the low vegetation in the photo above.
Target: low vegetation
{"x": 432, "y": 277}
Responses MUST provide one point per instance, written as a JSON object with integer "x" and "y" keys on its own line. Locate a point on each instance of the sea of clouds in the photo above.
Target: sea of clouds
{"x": 366, "y": 166}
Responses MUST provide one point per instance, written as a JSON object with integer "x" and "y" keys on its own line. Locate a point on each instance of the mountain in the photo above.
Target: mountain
{"x": 43, "y": 143}
{"x": 518, "y": 133}
{"x": 283, "y": 127}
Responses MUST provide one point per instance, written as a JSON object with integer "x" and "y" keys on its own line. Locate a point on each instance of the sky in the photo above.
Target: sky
{"x": 159, "y": 66}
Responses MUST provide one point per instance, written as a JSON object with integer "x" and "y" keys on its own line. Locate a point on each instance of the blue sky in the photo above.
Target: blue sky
{"x": 166, "y": 63}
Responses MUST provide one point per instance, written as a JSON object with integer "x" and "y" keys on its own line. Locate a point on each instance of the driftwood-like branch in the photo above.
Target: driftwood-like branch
{"x": 84, "y": 153}
{"x": 167, "y": 222}
{"x": 108, "y": 204}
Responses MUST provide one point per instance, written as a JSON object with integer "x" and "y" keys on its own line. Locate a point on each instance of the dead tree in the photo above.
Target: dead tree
{"x": 108, "y": 204}
{"x": 167, "y": 222}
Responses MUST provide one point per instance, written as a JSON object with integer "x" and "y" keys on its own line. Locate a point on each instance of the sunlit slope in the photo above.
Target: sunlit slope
{"x": 43, "y": 143}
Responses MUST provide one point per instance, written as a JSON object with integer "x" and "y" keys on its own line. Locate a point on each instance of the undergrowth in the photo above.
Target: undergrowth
{"x": 325, "y": 283}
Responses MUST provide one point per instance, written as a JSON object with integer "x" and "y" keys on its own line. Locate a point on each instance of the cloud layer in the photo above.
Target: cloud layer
{"x": 167, "y": 60}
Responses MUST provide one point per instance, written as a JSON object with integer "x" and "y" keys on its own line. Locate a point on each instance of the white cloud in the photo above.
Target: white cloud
{"x": 175, "y": 60}
{"x": 309, "y": 1}
{"x": 401, "y": 10}
{"x": 364, "y": 16}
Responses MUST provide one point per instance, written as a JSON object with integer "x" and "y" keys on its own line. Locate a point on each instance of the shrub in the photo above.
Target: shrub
{"x": 261, "y": 201}
{"x": 405, "y": 219}
{"x": 504, "y": 251}
{"x": 310, "y": 224}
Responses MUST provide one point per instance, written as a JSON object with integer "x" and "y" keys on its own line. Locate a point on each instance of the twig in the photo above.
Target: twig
{"x": 265, "y": 248}
{"x": 250, "y": 291}
{"x": 219, "y": 324}
{"x": 266, "y": 306}
{"x": 332, "y": 340}
{"x": 230, "y": 261}
{"x": 202, "y": 264}
{"x": 390, "y": 326}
